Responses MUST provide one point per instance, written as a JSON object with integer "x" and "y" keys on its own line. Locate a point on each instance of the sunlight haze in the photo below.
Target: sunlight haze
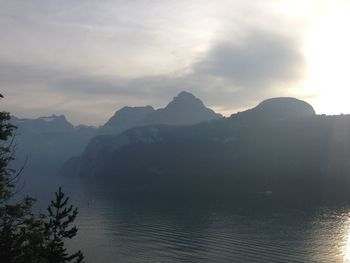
{"x": 86, "y": 59}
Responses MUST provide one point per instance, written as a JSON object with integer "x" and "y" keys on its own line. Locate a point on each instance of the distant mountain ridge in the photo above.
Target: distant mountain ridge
{"x": 51, "y": 141}
{"x": 184, "y": 109}
{"x": 125, "y": 118}
{"x": 51, "y": 123}
{"x": 279, "y": 109}
{"x": 45, "y": 143}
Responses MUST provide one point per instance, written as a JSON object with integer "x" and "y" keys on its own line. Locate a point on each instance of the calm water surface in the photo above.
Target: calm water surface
{"x": 138, "y": 229}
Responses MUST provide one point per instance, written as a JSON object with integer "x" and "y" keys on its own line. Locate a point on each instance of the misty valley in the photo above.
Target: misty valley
{"x": 185, "y": 184}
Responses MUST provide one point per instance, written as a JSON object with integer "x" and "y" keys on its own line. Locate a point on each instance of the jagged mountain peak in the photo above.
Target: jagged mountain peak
{"x": 183, "y": 95}
{"x": 184, "y": 109}
{"x": 185, "y": 98}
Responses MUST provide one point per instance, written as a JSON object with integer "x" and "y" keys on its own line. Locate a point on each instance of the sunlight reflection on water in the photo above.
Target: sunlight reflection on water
{"x": 113, "y": 230}
{"x": 346, "y": 248}
{"x": 286, "y": 236}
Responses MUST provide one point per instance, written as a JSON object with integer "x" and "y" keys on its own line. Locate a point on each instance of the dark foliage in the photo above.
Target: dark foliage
{"x": 24, "y": 236}
{"x": 58, "y": 228}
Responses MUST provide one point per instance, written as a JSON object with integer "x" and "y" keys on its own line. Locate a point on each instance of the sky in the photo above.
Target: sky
{"x": 87, "y": 58}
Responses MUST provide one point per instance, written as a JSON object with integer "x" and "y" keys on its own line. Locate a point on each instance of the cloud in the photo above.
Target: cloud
{"x": 259, "y": 61}
{"x": 90, "y": 58}
{"x": 12, "y": 73}
{"x": 232, "y": 74}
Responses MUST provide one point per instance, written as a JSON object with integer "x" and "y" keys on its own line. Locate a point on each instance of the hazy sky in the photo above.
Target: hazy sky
{"x": 85, "y": 59}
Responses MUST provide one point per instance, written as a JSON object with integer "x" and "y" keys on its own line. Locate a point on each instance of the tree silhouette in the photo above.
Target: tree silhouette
{"x": 24, "y": 236}
{"x": 58, "y": 228}
{"x": 20, "y": 231}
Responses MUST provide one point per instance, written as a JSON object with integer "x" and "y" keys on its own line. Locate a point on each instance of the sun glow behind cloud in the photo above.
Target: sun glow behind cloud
{"x": 328, "y": 56}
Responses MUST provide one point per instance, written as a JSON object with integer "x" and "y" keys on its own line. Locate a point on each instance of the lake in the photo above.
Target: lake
{"x": 133, "y": 228}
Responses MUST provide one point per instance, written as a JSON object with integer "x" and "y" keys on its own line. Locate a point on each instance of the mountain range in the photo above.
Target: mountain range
{"x": 46, "y": 143}
{"x": 280, "y": 147}
{"x": 184, "y": 109}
